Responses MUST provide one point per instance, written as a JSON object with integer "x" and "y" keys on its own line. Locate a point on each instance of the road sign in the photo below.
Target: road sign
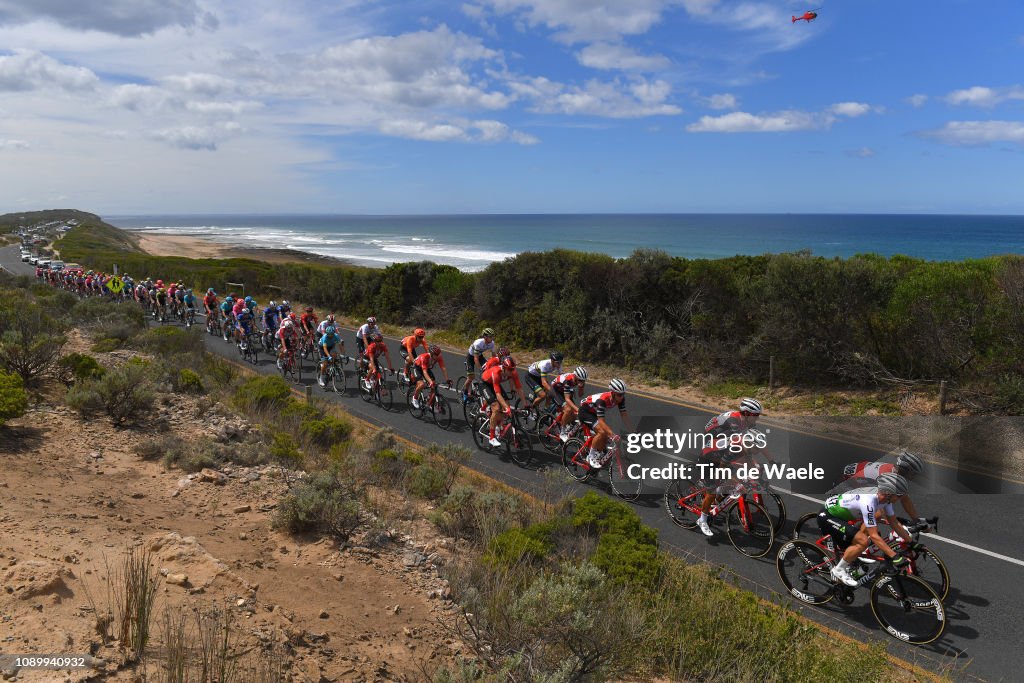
{"x": 115, "y": 284}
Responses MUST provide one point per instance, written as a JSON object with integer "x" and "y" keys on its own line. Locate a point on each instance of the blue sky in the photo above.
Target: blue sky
{"x": 511, "y": 106}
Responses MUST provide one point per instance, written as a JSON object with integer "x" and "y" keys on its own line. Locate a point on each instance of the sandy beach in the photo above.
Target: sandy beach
{"x": 197, "y": 247}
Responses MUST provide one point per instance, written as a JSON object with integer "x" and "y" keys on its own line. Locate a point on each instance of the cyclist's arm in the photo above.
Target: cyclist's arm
{"x": 876, "y": 538}
{"x": 899, "y": 528}
{"x": 626, "y": 420}
{"x": 909, "y": 506}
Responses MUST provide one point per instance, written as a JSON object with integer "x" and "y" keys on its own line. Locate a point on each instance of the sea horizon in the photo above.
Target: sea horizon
{"x": 472, "y": 241}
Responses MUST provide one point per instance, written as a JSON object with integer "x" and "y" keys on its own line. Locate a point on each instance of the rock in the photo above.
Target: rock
{"x": 243, "y": 536}
{"x": 212, "y": 476}
{"x": 413, "y": 559}
{"x": 177, "y": 579}
{"x": 242, "y": 508}
{"x": 35, "y": 577}
{"x": 324, "y": 614}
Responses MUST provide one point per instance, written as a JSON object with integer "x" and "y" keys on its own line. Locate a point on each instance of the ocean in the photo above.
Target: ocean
{"x": 470, "y": 242}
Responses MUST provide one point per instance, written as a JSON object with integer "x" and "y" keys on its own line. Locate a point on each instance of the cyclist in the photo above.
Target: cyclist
{"x": 244, "y": 324}
{"x": 537, "y": 376}
{"x": 188, "y": 300}
{"x": 423, "y": 367}
{"x": 271, "y": 321}
{"x": 563, "y": 388}
{"x": 365, "y": 334}
{"x": 592, "y": 413}
{"x": 179, "y": 298}
{"x": 475, "y": 356}
{"x": 851, "y": 519}
{"x": 372, "y": 354}
{"x": 161, "y": 302}
{"x": 322, "y": 327}
{"x": 408, "y": 350}
{"x": 236, "y": 310}
{"x": 308, "y": 323}
{"x": 722, "y": 432}
{"x": 492, "y": 378}
{"x": 210, "y": 303}
{"x": 908, "y": 465}
{"x": 286, "y": 336}
{"x": 328, "y": 342}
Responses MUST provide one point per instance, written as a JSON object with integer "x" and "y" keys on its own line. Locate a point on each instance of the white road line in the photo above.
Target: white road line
{"x": 967, "y": 546}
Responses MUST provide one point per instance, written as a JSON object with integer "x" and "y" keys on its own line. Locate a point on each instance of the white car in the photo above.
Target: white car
{"x": 56, "y": 265}
{"x": 25, "y": 256}
{"x": 34, "y": 260}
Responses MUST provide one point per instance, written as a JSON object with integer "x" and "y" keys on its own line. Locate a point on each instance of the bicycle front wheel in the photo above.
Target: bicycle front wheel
{"x": 929, "y": 568}
{"x": 625, "y": 481}
{"x": 481, "y": 433}
{"x": 749, "y": 528}
{"x": 337, "y": 379}
{"x": 807, "y": 572}
{"x": 441, "y": 411}
{"x": 683, "y": 498}
{"x": 365, "y": 389}
{"x": 385, "y": 395}
{"x": 518, "y": 446}
{"x": 547, "y": 431}
{"x": 574, "y": 457}
{"x": 413, "y": 410}
{"x": 908, "y": 609}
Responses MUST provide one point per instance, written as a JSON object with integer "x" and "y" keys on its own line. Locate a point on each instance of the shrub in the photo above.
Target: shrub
{"x": 627, "y": 561}
{"x": 284, "y": 450}
{"x": 519, "y": 545}
{"x": 124, "y": 393}
{"x": 326, "y": 431}
{"x": 218, "y": 371}
{"x": 479, "y": 515}
{"x": 13, "y": 400}
{"x": 263, "y": 393}
{"x": 76, "y": 367}
{"x": 30, "y": 343}
{"x": 189, "y": 382}
{"x": 106, "y": 345}
{"x": 604, "y": 515}
{"x": 427, "y": 482}
{"x": 170, "y": 341}
{"x": 319, "y": 504}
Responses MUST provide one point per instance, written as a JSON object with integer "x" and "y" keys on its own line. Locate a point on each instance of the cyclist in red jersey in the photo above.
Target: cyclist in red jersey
{"x": 423, "y": 368}
{"x": 866, "y": 473}
{"x": 491, "y": 380}
{"x": 722, "y": 430}
{"x": 409, "y": 346}
{"x": 592, "y": 413}
{"x": 308, "y": 322}
{"x": 563, "y": 388}
{"x": 373, "y": 352}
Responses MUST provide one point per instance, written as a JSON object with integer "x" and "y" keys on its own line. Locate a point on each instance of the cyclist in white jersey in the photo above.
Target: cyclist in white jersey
{"x": 475, "y": 356}
{"x": 365, "y": 334}
{"x": 538, "y": 373}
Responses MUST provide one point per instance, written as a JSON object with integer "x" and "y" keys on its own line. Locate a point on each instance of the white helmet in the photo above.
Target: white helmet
{"x": 287, "y": 322}
{"x": 617, "y": 386}
{"x": 910, "y": 463}
{"x": 749, "y": 405}
{"x": 581, "y": 373}
{"x": 893, "y": 483}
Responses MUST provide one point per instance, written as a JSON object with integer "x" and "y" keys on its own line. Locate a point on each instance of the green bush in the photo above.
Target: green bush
{"x": 13, "y": 399}
{"x": 284, "y": 450}
{"x": 627, "y": 561}
{"x": 602, "y": 514}
{"x": 189, "y": 382}
{"x": 76, "y": 367}
{"x": 124, "y": 393}
{"x": 319, "y": 504}
{"x": 427, "y": 482}
{"x": 170, "y": 341}
{"x": 518, "y": 545}
{"x": 107, "y": 345}
{"x": 326, "y": 431}
{"x": 263, "y": 393}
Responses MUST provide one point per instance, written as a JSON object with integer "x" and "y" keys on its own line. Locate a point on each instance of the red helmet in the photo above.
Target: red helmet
{"x": 309, "y": 309}
{"x": 508, "y": 363}
{"x": 435, "y": 350}
{"x": 420, "y": 332}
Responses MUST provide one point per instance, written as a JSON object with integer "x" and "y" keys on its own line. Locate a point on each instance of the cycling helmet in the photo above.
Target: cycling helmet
{"x": 504, "y": 351}
{"x": 159, "y": 283}
{"x": 286, "y": 322}
{"x": 330, "y": 317}
{"x": 210, "y": 291}
{"x": 309, "y": 309}
{"x": 371, "y": 320}
{"x": 910, "y": 463}
{"x": 508, "y": 363}
{"x": 329, "y": 329}
{"x": 435, "y": 350}
{"x": 750, "y": 406}
{"x": 617, "y": 386}
{"x": 291, "y": 316}
{"x": 419, "y": 332}
{"x": 378, "y": 337}
{"x": 556, "y": 356}
{"x": 488, "y": 332}
{"x": 581, "y": 373}
{"x": 893, "y": 483}
{"x": 286, "y": 304}
{"x": 273, "y": 304}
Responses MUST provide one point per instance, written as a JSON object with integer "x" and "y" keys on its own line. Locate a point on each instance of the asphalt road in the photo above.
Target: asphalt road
{"x": 980, "y": 544}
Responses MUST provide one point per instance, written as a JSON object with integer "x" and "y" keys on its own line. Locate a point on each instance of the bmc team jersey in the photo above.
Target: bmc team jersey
{"x": 867, "y": 470}
{"x": 367, "y": 331}
{"x": 857, "y": 505}
{"x": 598, "y": 403}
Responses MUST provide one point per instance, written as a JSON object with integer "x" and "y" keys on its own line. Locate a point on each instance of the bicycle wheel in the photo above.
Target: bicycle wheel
{"x": 518, "y": 445}
{"x": 254, "y": 350}
{"x": 776, "y": 508}
{"x": 337, "y": 377}
{"x": 547, "y": 432}
{"x": 441, "y": 410}
{"x": 806, "y": 527}
{"x": 480, "y": 430}
{"x": 529, "y": 420}
{"x": 574, "y": 457}
{"x": 418, "y": 413}
{"x": 908, "y": 609}
{"x": 620, "y": 476}
{"x": 929, "y": 568}
{"x": 385, "y": 395}
{"x": 806, "y": 570}
{"x": 749, "y": 528}
{"x": 682, "y": 502}
{"x": 365, "y": 389}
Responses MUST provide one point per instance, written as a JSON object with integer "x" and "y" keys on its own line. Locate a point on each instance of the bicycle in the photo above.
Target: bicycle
{"x": 748, "y": 525}
{"x": 437, "y": 405}
{"x": 248, "y": 349}
{"x": 227, "y": 327}
{"x": 511, "y": 435}
{"x": 213, "y": 322}
{"x": 904, "y": 605}
{"x": 334, "y": 374}
{"x": 374, "y": 388}
{"x": 289, "y": 366}
{"x": 476, "y": 404}
{"x": 404, "y": 382}
{"x": 190, "y": 317}
{"x": 614, "y": 460}
{"x": 924, "y": 563}
{"x": 549, "y": 432}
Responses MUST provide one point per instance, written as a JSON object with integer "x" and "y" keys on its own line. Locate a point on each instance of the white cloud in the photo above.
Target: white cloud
{"x": 981, "y": 96}
{"x": 585, "y": 20}
{"x": 120, "y": 17}
{"x": 618, "y": 56}
{"x": 978, "y": 132}
{"x": 612, "y": 99}
{"x": 197, "y": 137}
{"x": 31, "y": 70}
{"x": 850, "y": 109}
{"x": 779, "y": 122}
{"x": 721, "y": 101}
{"x": 13, "y": 144}
{"x": 861, "y": 153}
{"x": 917, "y": 100}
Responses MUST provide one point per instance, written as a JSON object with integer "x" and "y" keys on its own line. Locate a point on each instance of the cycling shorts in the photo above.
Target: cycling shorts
{"x": 487, "y": 391}
{"x": 588, "y": 417}
{"x": 417, "y": 372}
{"x": 471, "y": 364}
{"x": 557, "y": 396}
{"x": 536, "y": 388}
{"x": 841, "y": 530}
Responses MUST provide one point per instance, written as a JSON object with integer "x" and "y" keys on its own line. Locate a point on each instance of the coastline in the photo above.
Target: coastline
{"x": 199, "y": 248}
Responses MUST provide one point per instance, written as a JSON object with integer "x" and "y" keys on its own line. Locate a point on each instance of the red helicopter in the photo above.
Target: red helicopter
{"x": 807, "y": 16}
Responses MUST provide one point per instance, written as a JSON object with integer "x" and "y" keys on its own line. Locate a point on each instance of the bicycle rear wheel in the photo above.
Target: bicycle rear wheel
{"x": 548, "y": 431}
{"x": 806, "y": 527}
{"x": 776, "y": 508}
{"x": 385, "y": 395}
{"x": 418, "y": 413}
{"x": 806, "y": 570}
{"x": 623, "y": 484}
{"x": 682, "y": 502}
{"x": 518, "y": 445}
{"x": 574, "y": 457}
{"x": 441, "y": 411}
{"x": 749, "y": 528}
{"x": 908, "y": 609}
{"x": 481, "y": 433}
